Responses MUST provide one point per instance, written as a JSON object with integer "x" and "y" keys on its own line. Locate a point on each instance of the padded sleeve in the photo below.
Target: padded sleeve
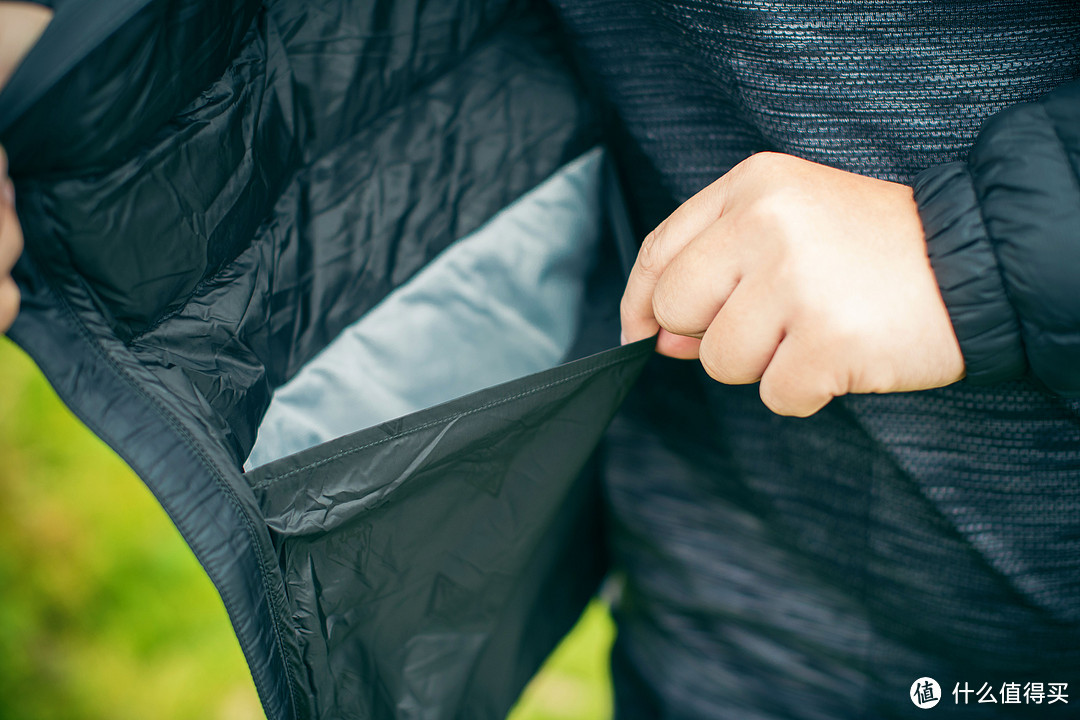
{"x": 1003, "y": 235}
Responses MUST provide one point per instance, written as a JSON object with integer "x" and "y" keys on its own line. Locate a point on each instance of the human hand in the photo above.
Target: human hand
{"x": 11, "y": 244}
{"x": 813, "y": 280}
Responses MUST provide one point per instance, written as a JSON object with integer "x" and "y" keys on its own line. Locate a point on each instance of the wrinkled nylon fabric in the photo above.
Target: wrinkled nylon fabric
{"x": 210, "y": 194}
{"x": 1001, "y": 229}
{"x": 402, "y": 545}
{"x": 496, "y": 305}
{"x": 361, "y": 218}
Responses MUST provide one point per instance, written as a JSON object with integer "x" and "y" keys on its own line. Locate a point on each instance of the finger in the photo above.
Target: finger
{"x": 11, "y": 238}
{"x": 696, "y": 283}
{"x": 9, "y": 302}
{"x": 657, "y": 250}
{"x": 794, "y": 384}
{"x": 677, "y": 346}
{"x": 743, "y": 337}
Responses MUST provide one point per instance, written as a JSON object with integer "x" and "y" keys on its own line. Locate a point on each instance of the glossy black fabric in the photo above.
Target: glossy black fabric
{"x": 1004, "y": 241}
{"x": 403, "y": 545}
{"x": 209, "y": 193}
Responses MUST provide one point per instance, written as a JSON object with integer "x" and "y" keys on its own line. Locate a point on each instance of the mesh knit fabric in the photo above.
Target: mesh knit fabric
{"x": 815, "y": 568}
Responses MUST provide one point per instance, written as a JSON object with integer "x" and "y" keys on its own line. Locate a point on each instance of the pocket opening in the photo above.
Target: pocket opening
{"x": 501, "y": 303}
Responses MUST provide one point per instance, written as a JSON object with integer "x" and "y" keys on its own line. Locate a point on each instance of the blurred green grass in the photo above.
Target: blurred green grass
{"x": 105, "y": 613}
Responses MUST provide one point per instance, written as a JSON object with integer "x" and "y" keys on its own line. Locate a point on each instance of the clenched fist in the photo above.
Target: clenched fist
{"x": 813, "y": 280}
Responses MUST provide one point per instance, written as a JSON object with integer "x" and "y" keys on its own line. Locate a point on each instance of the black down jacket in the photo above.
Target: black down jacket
{"x": 245, "y": 221}
{"x": 1003, "y": 231}
{"x": 268, "y": 245}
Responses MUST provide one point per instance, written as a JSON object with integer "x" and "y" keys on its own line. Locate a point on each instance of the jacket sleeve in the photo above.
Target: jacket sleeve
{"x": 1003, "y": 234}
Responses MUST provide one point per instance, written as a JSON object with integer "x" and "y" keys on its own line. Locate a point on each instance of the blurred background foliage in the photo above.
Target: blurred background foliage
{"x": 106, "y": 614}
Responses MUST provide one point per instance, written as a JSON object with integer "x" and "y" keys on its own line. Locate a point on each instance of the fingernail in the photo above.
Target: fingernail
{"x": 9, "y": 192}
{"x": 622, "y": 338}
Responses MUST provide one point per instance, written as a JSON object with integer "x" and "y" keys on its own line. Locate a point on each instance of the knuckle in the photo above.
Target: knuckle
{"x": 763, "y": 161}
{"x": 665, "y": 311}
{"x": 727, "y": 368}
{"x": 649, "y": 254}
{"x": 764, "y": 157}
{"x": 781, "y": 391}
{"x": 777, "y": 160}
{"x": 716, "y": 368}
{"x": 773, "y": 398}
{"x": 778, "y": 208}
{"x": 792, "y": 402}
{"x": 626, "y": 308}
